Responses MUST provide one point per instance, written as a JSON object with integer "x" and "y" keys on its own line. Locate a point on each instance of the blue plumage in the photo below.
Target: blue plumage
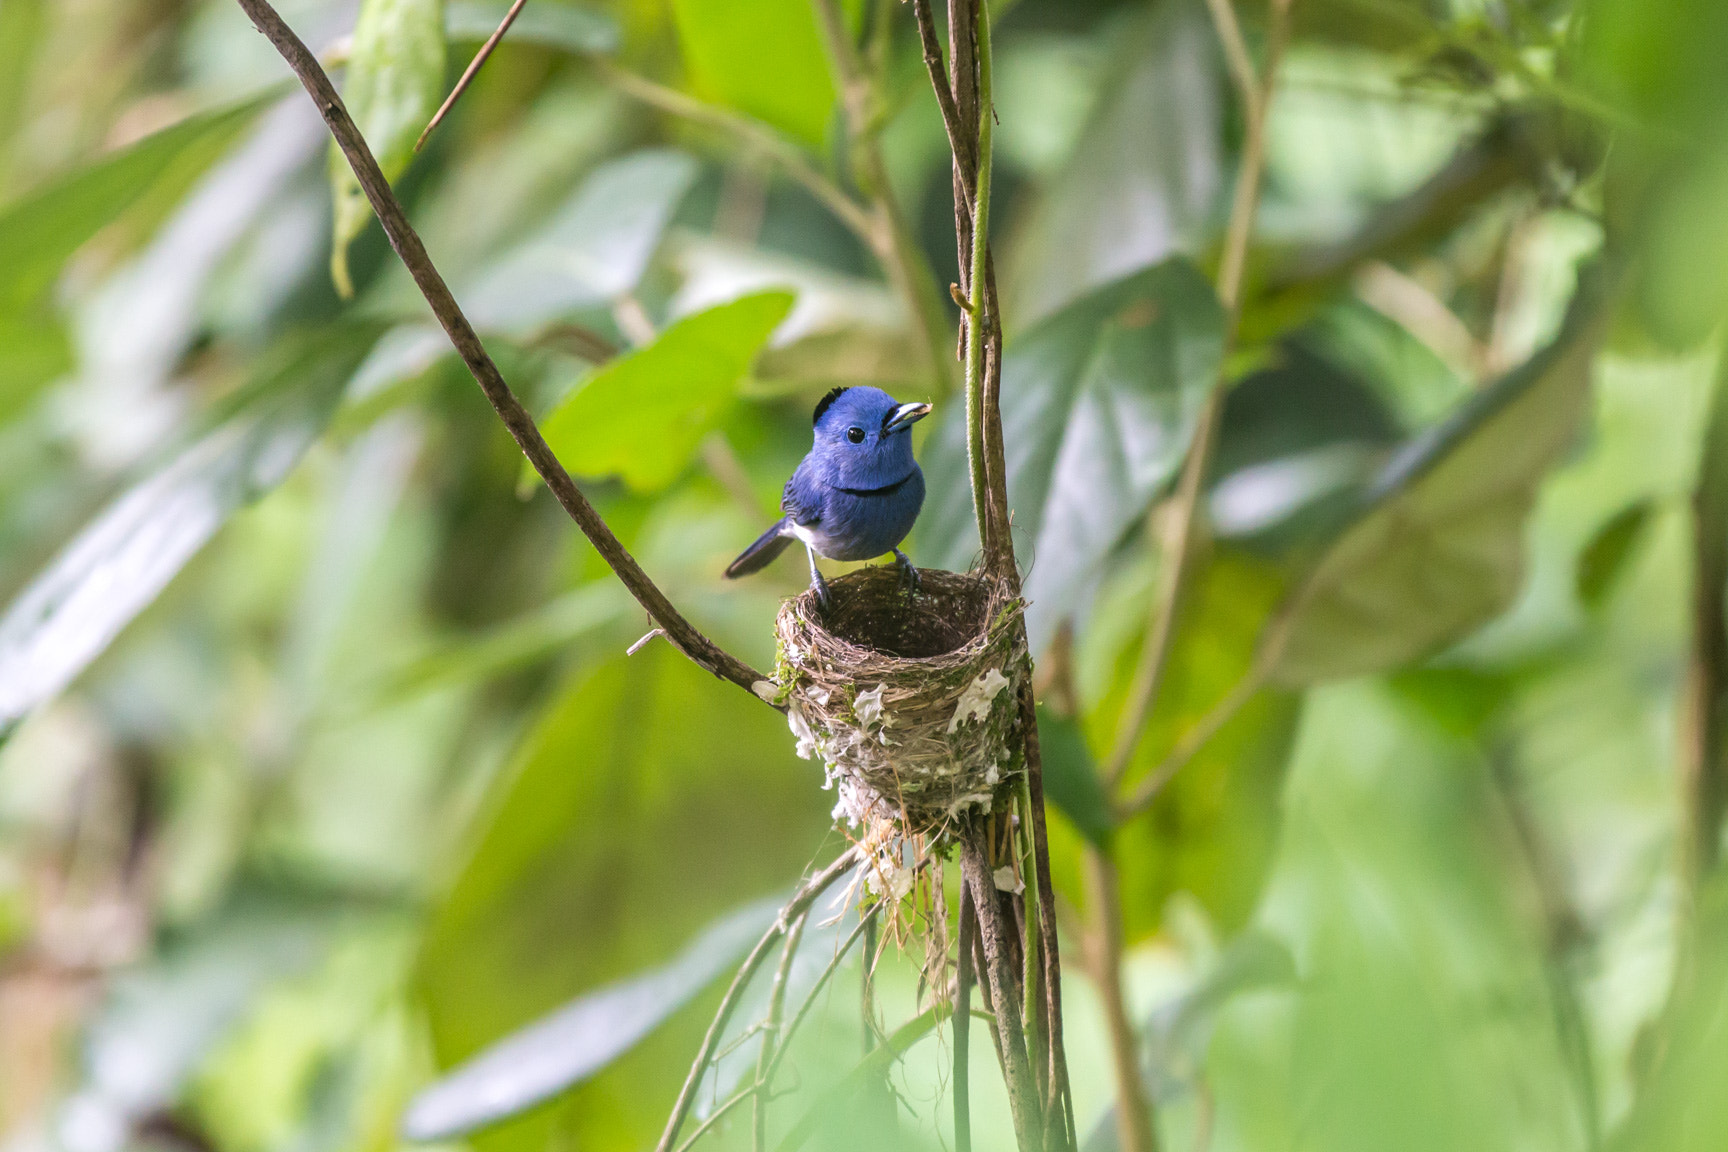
{"x": 857, "y": 492}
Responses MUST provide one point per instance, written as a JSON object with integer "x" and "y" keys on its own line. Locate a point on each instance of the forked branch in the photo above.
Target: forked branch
{"x": 520, "y": 424}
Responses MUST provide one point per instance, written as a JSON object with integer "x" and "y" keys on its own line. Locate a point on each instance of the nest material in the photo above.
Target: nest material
{"x": 911, "y": 699}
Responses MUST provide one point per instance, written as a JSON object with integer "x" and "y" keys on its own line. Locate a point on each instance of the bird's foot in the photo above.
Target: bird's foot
{"x": 824, "y": 599}
{"x": 908, "y": 571}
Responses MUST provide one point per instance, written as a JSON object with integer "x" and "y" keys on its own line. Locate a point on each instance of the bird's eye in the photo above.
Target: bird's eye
{"x": 855, "y": 434}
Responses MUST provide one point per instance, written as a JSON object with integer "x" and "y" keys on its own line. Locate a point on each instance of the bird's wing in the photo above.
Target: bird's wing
{"x": 802, "y": 498}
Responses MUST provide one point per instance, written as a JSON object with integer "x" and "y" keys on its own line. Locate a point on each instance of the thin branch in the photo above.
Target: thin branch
{"x": 794, "y": 910}
{"x": 1193, "y": 740}
{"x": 469, "y": 73}
{"x": 516, "y": 419}
{"x": 1135, "y": 1130}
{"x": 1235, "y": 51}
{"x": 866, "y": 918}
{"x": 961, "y": 1080}
{"x": 771, "y": 1032}
{"x": 1023, "y": 1099}
{"x": 981, "y": 321}
{"x": 1186, "y": 510}
{"x": 891, "y": 238}
{"x": 755, "y": 1090}
{"x": 753, "y": 134}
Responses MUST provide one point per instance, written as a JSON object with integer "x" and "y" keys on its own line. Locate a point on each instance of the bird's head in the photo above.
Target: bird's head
{"x": 866, "y": 435}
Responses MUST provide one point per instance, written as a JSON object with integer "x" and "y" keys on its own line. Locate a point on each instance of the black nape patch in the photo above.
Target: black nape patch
{"x": 823, "y": 404}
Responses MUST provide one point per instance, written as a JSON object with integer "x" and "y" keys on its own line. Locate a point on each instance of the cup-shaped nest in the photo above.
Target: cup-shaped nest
{"x": 910, "y": 698}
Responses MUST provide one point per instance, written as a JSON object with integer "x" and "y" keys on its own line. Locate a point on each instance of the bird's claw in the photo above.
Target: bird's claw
{"x": 908, "y": 571}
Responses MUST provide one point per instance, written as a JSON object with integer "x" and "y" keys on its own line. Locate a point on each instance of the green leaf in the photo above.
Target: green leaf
{"x": 1610, "y": 550}
{"x": 1099, "y": 403}
{"x": 643, "y": 803}
{"x": 642, "y": 416}
{"x": 1437, "y": 546}
{"x": 763, "y": 57}
{"x": 122, "y": 559}
{"x": 1071, "y": 780}
{"x": 583, "y": 1037}
{"x": 563, "y": 26}
{"x": 1297, "y": 442}
{"x": 39, "y": 233}
{"x": 394, "y": 84}
{"x": 1121, "y": 198}
{"x": 1213, "y": 828}
{"x": 594, "y": 249}
{"x": 34, "y": 349}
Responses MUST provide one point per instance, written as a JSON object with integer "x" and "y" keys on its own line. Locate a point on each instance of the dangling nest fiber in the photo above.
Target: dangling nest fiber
{"x": 911, "y": 699}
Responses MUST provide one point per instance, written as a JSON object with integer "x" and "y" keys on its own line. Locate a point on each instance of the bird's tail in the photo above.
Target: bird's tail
{"x": 762, "y": 553}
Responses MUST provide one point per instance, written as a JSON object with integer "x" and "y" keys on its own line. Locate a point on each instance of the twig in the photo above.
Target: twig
{"x": 890, "y": 237}
{"x": 516, "y": 419}
{"x": 771, "y": 1032}
{"x": 794, "y": 910}
{"x": 962, "y": 1085}
{"x": 755, "y": 1090}
{"x": 1235, "y": 51}
{"x": 1023, "y": 1099}
{"x": 1186, "y": 504}
{"x": 643, "y": 642}
{"x": 865, "y": 918}
{"x": 750, "y": 132}
{"x": 1134, "y": 1128}
{"x": 469, "y": 73}
{"x": 981, "y": 321}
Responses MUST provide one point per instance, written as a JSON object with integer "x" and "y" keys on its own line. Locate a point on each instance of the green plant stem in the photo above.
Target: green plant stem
{"x": 979, "y": 320}
{"x": 1135, "y": 1131}
{"x": 771, "y": 1033}
{"x": 889, "y": 237}
{"x": 467, "y": 343}
{"x": 1023, "y": 1102}
{"x": 1185, "y": 512}
{"x": 753, "y": 134}
{"x": 794, "y": 911}
{"x": 1032, "y": 982}
{"x": 961, "y": 1081}
{"x": 866, "y": 918}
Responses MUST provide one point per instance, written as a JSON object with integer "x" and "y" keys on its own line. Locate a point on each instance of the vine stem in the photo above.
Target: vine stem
{"x": 1181, "y": 521}
{"x": 792, "y": 913}
{"x": 1023, "y": 1102}
{"x": 515, "y": 417}
{"x": 889, "y": 236}
{"x": 771, "y": 1033}
{"x": 1184, "y": 518}
{"x": 979, "y": 320}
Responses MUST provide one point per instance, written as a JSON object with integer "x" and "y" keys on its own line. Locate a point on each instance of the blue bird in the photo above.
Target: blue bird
{"x": 857, "y": 492}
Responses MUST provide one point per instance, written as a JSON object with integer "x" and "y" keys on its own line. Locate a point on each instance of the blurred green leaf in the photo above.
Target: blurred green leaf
{"x": 566, "y": 26}
{"x": 1438, "y": 546}
{"x": 39, "y": 233}
{"x": 394, "y": 83}
{"x": 1212, "y": 831}
{"x": 34, "y": 349}
{"x": 1121, "y": 198}
{"x": 764, "y": 57}
{"x": 1604, "y": 559}
{"x": 1071, "y": 779}
{"x": 642, "y": 416}
{"x": 1422, "y": 1020}
{"x": 594, "y": 248}
{"x": 583, "y": 1037}
{"x": 1296, "y": 443}
{"x": 643, "y": 803}
{"x": 22, "y": 24}
{"x": 122, "y": 559}
{"x": 1679, "y": 1107}
{"x": 1099, "y": 402}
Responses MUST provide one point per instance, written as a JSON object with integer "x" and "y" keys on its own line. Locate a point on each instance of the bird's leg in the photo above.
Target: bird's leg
{"x": 817, "y": 582}
{"x": 908, "y": 571}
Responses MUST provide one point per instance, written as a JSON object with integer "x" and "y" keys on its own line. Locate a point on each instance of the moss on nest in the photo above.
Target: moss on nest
{"x": 910, "y": 698}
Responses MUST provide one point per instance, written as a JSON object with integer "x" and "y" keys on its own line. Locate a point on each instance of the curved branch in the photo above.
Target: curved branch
{"x": 520, "y": 424}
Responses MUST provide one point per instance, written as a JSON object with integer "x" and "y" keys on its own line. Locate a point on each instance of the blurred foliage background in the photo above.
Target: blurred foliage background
{"x": 321, "y": 763}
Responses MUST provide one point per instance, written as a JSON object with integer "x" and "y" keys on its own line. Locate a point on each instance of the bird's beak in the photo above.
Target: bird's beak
{"x": 905, "y": 416}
